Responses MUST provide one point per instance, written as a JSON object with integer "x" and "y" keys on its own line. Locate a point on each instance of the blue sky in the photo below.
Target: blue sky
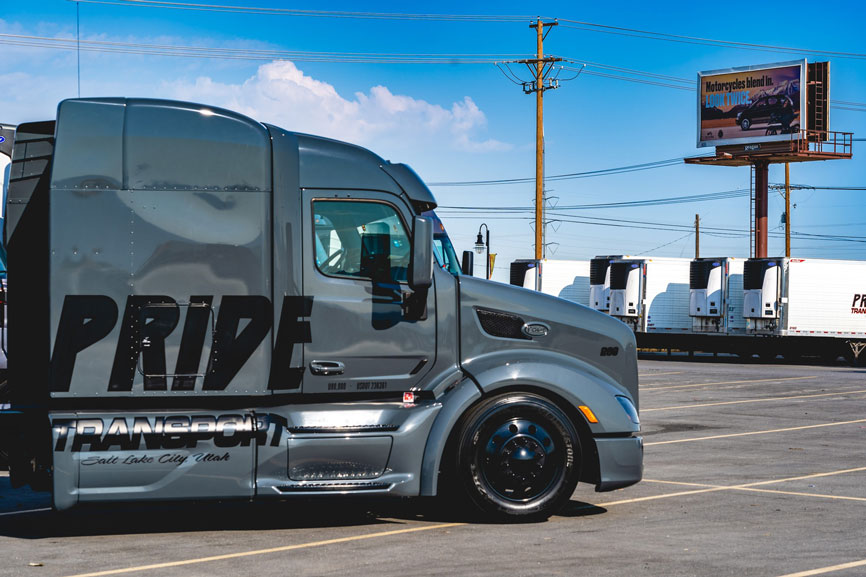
{"x": 464, "y": 122}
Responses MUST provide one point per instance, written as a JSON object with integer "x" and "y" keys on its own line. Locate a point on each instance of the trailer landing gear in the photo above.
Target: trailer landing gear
{"x": 855, "y": 353}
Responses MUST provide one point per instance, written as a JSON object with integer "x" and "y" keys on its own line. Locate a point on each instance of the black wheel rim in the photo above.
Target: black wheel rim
{"x": 519, "y": 459}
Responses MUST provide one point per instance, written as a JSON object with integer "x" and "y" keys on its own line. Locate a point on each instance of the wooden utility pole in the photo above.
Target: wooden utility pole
{"x": 787, "y": 211}
{"x": 540, "y": 67}
{"x": 697, "y": 236}
{"x": 539, "y": 141}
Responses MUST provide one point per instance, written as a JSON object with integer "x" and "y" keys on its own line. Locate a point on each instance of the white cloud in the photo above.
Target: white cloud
{"x": 282, "y": 94}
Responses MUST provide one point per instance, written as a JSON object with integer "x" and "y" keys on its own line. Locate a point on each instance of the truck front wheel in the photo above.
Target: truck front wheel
{"x": 518, "y": 457}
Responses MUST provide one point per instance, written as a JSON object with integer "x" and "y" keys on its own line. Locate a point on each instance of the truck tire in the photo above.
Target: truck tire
{"x": 518, "y": 457}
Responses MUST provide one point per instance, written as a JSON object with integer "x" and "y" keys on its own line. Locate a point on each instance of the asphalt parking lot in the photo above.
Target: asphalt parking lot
{"x": 750, "y": 469}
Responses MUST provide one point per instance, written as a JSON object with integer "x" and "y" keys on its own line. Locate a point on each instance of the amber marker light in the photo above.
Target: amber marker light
{"x": 587, "y": 412}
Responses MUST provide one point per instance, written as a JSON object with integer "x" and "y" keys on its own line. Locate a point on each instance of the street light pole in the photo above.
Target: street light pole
{"x": 481, "y": 244}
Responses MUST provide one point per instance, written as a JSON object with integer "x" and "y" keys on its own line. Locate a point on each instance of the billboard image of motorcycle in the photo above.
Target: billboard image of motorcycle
{"x": 750, "y": 104}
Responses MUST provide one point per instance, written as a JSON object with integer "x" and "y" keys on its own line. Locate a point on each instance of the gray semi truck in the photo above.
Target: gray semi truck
{"x": 203, "y": 306}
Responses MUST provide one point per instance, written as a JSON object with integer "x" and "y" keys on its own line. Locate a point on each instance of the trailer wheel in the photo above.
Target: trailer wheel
{"x": 518, "y": 457}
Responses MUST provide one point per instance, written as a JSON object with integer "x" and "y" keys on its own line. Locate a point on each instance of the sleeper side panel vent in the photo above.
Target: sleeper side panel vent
{"x": 499, "y": 324}
{"x": 597, "y": 270}
{"x": 699, "y": 273}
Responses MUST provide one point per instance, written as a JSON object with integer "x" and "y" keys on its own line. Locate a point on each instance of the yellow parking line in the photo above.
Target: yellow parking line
{"x": 656, "y": 497}
{"x": 825, "y": 570}
{"x": 745, "y": 401}
{"x": 267, "y": 551}
{"x": 714, "y": 488}
{"x": 800, "y": 494}
{"x": 756, "y": 490}
{"x": 728, "y": 436}
{"x": 693, "y": 385}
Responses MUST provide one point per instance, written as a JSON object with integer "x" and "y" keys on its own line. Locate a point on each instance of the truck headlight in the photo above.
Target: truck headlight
{"x": 629, "y": 409}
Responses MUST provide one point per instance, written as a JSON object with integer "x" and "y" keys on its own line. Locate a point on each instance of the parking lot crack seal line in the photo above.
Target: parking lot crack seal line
{"x": 745, "y": 401}
{"x": 267, "y": 551}
{"x": 694, "y": 385}
{"x": 729, "y": 435}
{"x": 825, "y": 570}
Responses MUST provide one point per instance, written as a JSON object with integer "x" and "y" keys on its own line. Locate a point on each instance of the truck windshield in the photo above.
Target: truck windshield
{"x": 443, "y": 250}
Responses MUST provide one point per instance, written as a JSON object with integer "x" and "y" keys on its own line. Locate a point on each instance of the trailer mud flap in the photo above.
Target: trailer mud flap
{"x": 153, "y": 455}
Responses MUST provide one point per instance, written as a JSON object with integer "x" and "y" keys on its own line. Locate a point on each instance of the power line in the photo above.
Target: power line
{"x": 672, "y": 200}
{"x": 723, "y": 195}
{"x": 197, "y": 7}
{"x": 247, "y": 54}
{"x": 670, "y": 243}
{"x": 575, "y": 24}
{"x": 668, "y": 37}
{"x": 144, "y": 49}
{"x": 568, "y": 176}
{"x": 685, "y": 83}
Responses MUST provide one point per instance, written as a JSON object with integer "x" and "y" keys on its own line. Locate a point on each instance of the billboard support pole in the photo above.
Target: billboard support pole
{"x": 761, "y": 186}
{"x": 787, "y": 210}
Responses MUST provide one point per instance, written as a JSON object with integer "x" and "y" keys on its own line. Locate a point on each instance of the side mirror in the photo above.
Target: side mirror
{"x": 467, "y": 267}
{"x": 421, "y": 267}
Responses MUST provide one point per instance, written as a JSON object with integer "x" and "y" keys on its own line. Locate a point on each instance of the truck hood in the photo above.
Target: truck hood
{"x": 496, "y": 317}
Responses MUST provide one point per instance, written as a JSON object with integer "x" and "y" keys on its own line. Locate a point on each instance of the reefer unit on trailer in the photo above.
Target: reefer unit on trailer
{"x": 651, "y": 295}
{"x": 716, "y": 296}
{"x": 586, "y": 283}
{"x": 566, "y": 279}
{"x": 811, "y": 306}
{"x": 599, "y": 280}
{"x": 208, "y": 307}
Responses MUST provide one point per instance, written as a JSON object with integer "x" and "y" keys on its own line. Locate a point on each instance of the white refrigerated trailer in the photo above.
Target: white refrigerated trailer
{"x": 792, "y": 307}
{"x": 806, "y": 307}
{"x": 567, "y": 279}
{"x": 651, "y": 294}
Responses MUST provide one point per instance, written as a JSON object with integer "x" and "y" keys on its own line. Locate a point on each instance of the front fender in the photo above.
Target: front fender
{"x": 576, "y": 382}
{"x": 455, "y": 402}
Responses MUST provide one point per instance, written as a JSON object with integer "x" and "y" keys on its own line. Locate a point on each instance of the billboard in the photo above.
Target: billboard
{"x": 751, "y": 103}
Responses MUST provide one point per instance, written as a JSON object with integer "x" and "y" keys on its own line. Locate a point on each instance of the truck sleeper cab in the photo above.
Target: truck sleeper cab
{"x": 204, "y": 306}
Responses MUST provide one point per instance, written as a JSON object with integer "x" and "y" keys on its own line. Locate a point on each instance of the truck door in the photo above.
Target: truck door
{"x": 357, "y": 249}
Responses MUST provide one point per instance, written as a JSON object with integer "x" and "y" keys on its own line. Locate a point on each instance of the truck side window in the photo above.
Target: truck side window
{"x": 361, "y": 239}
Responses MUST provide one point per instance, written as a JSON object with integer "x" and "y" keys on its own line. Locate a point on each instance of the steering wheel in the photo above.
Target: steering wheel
{"x": 327, "y": 262}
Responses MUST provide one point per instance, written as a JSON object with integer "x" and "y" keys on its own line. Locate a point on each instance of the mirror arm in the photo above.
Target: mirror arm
{"x": 415, "y": 304}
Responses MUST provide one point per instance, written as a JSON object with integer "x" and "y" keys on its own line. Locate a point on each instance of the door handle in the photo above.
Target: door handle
{"x": 326, "y": 368}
